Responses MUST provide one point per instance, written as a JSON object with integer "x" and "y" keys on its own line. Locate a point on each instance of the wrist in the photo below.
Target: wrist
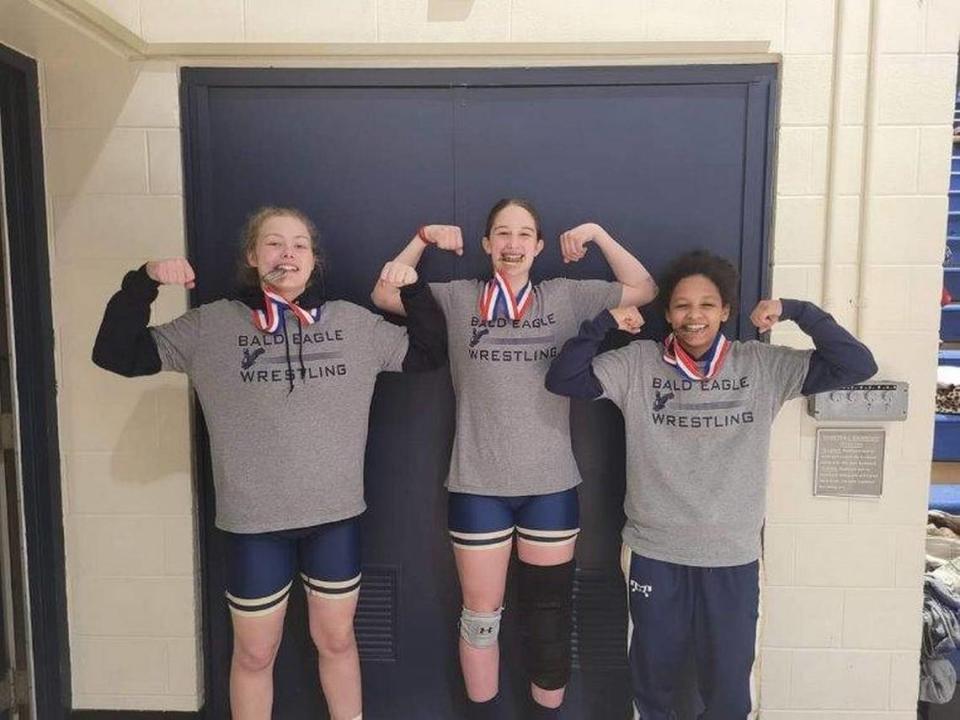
{"x": 605, "y": 321}
{"x": 790, "y": 309}
{"x": 414, "y": 288}
{"x": 138, "y": 282}
{"x": 599, "y": 235}
{"x": 423, "y": 237}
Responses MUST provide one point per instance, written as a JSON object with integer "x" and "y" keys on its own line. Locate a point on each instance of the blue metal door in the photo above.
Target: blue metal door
{"x": 667, "y": 159}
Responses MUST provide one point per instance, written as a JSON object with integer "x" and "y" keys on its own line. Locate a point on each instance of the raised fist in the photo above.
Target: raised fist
{"x": 445, "y": 237}
{"x": 172, "y": 271}
{"x": 397, "y": 275}
{"x": 573, "y": 242}
{"x": 628, "y": 319}
{"x": 766, "y": 314}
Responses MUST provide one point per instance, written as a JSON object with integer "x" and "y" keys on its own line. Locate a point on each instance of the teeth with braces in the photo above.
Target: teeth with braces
{"x": 274, "y": 275}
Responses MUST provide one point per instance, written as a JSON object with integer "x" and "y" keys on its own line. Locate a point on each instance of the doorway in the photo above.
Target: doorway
{"x": 34, "y": 659}
{"x": 666, "y": 159}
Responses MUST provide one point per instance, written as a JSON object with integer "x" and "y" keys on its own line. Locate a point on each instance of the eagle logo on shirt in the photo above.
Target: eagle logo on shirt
{"x": 661, "y": 400}
{"x": 477, "y": 334}
{"x": 250, "y": 357}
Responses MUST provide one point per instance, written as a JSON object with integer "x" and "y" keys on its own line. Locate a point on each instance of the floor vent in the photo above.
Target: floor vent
{"x": 376, "y": 621}
{"x": 599, "y": 640}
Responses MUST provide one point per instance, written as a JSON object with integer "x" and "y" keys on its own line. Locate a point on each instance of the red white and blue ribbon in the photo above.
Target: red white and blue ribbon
{"x": 711, "y": 362}
{"x": 497, "y": 299}
{"x": 268, "y": 320}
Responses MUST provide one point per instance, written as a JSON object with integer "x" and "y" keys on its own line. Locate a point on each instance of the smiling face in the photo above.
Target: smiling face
{"x": 512, "y": 243}
{"x": 695, "y": 313}
{"x": 284, "y": 243}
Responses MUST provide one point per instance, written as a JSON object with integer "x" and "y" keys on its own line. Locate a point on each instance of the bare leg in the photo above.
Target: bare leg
{"x": 331, "y": 628}
{"x": 255, "y": 643}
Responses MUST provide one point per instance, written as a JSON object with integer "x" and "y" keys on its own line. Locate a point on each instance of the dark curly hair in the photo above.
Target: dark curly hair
{"x": 718, "y": 270}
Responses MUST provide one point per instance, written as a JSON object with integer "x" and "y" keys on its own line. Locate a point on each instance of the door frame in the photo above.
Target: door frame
{"x": 196, "y": 84}
{"x": 29, "y": 277}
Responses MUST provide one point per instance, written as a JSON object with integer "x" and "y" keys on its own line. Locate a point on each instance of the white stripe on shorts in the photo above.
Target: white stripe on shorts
{"x": 481, "y": 541}
{"x": 531, "y": 536}
{"x": 331, "y": 589}
{"x": 254, "y": 607}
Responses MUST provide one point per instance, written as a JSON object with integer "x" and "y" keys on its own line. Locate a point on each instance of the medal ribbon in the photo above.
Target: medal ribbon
{"x": 268, "y": 320}
{"x": 497, "y": 299}
{"x": 712, "y": 360}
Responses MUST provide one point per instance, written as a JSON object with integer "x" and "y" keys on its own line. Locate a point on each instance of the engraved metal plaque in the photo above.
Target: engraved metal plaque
{"x": 849, "y": 462}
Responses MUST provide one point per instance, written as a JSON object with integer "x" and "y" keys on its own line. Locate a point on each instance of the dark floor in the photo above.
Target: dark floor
{"x": 950, "y": 711}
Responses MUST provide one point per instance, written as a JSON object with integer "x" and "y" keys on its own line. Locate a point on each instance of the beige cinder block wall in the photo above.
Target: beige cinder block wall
{"x": 864, "y": 139}
{"x": 111, "y": 145}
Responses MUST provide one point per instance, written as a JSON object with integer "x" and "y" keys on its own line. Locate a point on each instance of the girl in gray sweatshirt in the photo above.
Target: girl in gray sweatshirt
{"x": 285, "y": 378}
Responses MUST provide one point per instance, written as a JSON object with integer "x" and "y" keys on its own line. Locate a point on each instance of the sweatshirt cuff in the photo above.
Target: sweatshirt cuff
{"x": 413, "y": 289}
{"x": 140, "y": 285}
{"x": 605, "y": 322}
{"x": 805, "y": 314}
{"x": 791, "y": 308}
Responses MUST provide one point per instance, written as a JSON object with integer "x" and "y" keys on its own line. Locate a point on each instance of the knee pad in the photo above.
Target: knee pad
{"x": 546, "y": 620}
{"x": 480, "y": 629}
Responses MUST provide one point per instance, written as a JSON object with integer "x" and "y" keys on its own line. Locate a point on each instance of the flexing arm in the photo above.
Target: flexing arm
{"x": 571, "y": 373}
{"x": 839, "y": 358}
{"x": 124, "y": 344}
{"x": 386, "y": 293}
{"x": 639, "y": 287}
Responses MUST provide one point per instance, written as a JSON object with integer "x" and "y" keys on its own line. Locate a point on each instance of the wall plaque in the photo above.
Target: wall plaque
{"x": 849, "y": 462}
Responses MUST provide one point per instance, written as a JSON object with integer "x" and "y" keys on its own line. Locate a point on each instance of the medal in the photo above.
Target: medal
{"x": 712, "y": 360}
{"x": 268, "y": 319}
{"x": 497, "y": 299}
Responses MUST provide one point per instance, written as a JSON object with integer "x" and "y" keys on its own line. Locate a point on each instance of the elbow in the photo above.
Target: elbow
{"x": 651, "y": 291}
{"x": 864, "y": 368}
{"x": 550, "y": 381}
{"x": 554, "y": 382}
{"x": 868, "y": 367}
{"x": 105, "y": 362}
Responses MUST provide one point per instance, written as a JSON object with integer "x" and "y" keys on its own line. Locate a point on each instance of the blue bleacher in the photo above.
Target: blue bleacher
{"x": 946, "y": 439}
{"x": 953, "y": 255}
{"x": 950, "y": 323}
{"x": 946, "y": 498}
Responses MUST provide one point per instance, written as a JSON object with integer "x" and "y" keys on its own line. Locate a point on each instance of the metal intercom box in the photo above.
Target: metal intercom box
{"x": 879, "y": 400}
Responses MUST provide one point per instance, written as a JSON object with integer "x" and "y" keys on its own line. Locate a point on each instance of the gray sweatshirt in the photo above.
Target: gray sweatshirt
{"x": 696, "y": 451}
{"x": 513, "y": 436}
{"x": 283, "y": 459}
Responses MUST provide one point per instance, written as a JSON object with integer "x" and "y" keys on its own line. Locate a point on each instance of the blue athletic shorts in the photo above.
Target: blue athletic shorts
{"x": 487, "y": 521}
{"x": 261, "y": 566}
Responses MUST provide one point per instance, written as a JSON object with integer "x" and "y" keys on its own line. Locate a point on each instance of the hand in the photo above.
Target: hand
{"x": 628, "y": 319}
{"x": 573, "y": 242}
{"x": 397, "y": 274}
{"x": 766, "y": 314}
{"x": 173, "y": 271}
{"x": 445, "y": 237}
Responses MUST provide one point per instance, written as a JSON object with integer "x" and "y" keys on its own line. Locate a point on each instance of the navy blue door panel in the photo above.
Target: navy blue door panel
{"x": 367, "y": 166}
{"x": 667, "y": 159}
